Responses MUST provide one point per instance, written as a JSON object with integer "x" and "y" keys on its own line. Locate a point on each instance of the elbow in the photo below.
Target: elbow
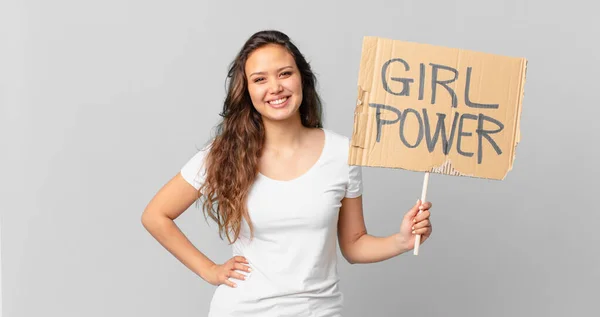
{"x": 351, "y": 248}
{"x": 150, "y": 221}
{"x": 146, "y": 220}
{"x": 348, "y": 256}
{"x": 352, "y": 261}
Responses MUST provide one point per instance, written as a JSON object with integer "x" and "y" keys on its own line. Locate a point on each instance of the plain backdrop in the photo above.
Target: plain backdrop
{"x": 102, "y": 102}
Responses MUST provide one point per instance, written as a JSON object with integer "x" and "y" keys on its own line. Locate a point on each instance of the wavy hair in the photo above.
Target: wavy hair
{"x": 232, "y": 161}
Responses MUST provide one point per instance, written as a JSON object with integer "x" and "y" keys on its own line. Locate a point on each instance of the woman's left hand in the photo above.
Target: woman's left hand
{"x": 415, "y": 223}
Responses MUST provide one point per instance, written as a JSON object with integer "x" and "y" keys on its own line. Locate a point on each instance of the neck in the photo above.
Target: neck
{"x": 284, "y": 134}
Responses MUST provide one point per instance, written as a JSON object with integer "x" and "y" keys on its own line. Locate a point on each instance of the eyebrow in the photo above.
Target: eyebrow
{"x": 262, "y": 73}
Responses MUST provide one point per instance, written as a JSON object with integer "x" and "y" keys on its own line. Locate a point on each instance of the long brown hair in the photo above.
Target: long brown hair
{"x": 232, "y": 161}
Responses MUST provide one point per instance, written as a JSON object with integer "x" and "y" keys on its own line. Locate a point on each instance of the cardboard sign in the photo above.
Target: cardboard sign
{"x": 436, "y": 109}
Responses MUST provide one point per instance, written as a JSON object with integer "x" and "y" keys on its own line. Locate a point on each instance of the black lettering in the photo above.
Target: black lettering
{"x": 403, "y": 121}
{"x": 378, "y": 119}
{"x": 439, "y": 128}
{"x": 431, "y": 138}
{"x": 461, "y": 133}
{"x": 443, "y": 83}
{"x": 405, "y": 81}
{"x": 468, "y": 101}
{"x": 421, "y": 80}
{"x": 481, "y": 133}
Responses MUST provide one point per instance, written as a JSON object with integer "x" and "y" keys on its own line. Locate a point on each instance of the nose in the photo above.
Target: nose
{"x": 275, "y": 87}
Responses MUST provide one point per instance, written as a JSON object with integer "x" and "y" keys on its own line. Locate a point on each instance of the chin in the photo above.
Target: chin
{"x": 281, "y": 117}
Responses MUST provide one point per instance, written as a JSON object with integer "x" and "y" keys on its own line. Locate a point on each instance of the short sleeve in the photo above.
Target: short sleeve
{"x": 355, "y": 184}
{"x": 194, "y": 171}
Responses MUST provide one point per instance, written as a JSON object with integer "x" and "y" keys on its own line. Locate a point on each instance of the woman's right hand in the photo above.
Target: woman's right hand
{"x": 220, "y": 274}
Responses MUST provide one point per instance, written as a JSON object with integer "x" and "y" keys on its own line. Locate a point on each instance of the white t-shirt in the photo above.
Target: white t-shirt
{"x": 293, "y": 253}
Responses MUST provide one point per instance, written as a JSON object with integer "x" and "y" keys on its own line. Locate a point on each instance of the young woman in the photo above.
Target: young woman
{"x": 279, "y": 186}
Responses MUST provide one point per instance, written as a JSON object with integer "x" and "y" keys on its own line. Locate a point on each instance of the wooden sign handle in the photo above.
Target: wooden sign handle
{"x": 423, "y": 199}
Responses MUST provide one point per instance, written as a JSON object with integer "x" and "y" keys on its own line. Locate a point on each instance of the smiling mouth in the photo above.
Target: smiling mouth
{"x": 278, "y": 101}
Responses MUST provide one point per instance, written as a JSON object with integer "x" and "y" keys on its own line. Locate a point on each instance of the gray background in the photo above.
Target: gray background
{"x": 103, "y": 101}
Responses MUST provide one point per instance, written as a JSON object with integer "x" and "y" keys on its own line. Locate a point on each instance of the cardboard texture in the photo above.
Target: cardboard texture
{"x": 443, "y": 110}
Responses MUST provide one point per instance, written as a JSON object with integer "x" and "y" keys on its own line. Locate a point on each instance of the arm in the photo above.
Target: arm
{"x": 358, "y": 246}
{"x": 170, "y": 202}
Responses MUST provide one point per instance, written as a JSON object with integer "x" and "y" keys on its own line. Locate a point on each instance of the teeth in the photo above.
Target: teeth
{"x": 278, "y": 101}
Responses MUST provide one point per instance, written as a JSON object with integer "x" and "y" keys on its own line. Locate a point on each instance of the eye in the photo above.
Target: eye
{"x": 258, "y": 79}
{"x": 286, "y": 74}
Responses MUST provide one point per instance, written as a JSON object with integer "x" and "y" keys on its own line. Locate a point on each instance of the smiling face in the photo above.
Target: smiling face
{"x": 274, "y": 83}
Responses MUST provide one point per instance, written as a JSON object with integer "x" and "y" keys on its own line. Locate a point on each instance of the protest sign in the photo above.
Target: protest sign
{"x": 437, "y": 109}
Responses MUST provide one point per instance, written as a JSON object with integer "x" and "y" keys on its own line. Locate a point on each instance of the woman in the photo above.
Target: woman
{"x": 279, "y": 186}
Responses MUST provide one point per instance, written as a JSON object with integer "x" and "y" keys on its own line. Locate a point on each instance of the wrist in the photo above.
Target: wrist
{"x": 402, "y": 245}
{"x": 206, "y": 271}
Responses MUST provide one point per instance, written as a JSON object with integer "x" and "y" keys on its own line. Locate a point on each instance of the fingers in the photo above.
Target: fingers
{"x": 237, "y": 263}
{"x": 413, "y": 211}
{"x": 229, "y": 283}
{"x": 424, "y": 215}
{"x": 425, "y": 206}
{"x": 239, "y": 258}
{"x": 418, "y": 207}
{"x": 423, "y": 227}
{"x": 421, "y": 223}
{"x": 236, "y": 275}
{"x": 426, "y": 231}
{"x": 242, "y": 267}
